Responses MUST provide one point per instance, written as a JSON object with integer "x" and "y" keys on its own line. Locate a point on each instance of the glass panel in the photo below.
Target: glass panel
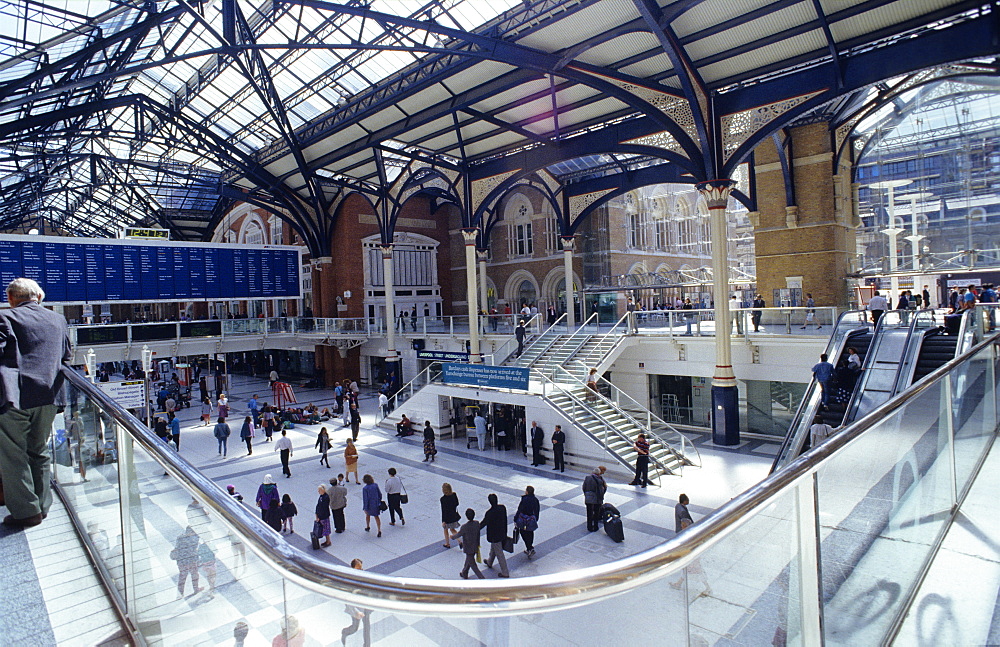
{"x": 972, "y": 386}
{"x": 745, "y": 589}
{"x": 191, "y": 577}
{"x": 884, "y": 500}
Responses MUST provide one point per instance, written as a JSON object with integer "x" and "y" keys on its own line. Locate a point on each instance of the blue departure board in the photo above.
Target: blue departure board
{"x": 85, "y": 270}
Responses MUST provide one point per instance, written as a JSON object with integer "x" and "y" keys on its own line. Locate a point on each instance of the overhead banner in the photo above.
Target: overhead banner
{"x": 442, "y": 356}
{"x": 497, "y": 377}
{"x": 128, "y": 394}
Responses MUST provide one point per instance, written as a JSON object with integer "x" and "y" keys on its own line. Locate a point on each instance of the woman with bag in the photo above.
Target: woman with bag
{"x": 246, "y": 434}
{"x": 323, "y": 444}
{"x": 430, "y": 449}
{"x": 267, "y": 492}
{"x": 371, "y": 499}
{"x": 394, "y": 493}
{"x": 449, "y": 512}
{"x": 351, "y": 462}
{"x": 322, "y": 526}
{"x": 206, "y": 411}
{"x": 526, "y": 519}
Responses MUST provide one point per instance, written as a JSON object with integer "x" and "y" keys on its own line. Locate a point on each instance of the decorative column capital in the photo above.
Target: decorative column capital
{"x": 470, "y": 234}
{"x": 716, "y": 192}
{"x": 568, "y": 243}
{"x": 386, "y": 251}
{"x": 482, "y": 255}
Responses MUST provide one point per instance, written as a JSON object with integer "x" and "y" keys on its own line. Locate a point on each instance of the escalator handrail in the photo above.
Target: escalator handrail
{"x": 492, "y": 597}
{"x": 912, "y": 350}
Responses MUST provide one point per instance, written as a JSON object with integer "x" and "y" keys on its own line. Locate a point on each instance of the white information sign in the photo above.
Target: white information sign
{"x": 128, "y": 394}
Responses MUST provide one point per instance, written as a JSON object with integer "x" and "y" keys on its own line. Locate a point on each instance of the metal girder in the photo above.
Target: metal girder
{"x": 831, "y": 43}
{"x": 969, "y": 39}
{"x": 783, "y": 145}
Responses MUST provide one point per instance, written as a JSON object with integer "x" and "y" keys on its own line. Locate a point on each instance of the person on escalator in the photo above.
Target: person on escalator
{"x": 823, "y": 372}
{"x": 819, "y": 432}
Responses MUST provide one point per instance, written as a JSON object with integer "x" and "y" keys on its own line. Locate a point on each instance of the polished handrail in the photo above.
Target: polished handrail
{"x": 490, "y": 597}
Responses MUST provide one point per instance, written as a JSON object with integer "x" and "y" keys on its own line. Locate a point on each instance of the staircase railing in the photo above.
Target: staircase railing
{"x": 506, "y": 350}
{"x": 639, "y": 415}
{"x": 607, "y": 428}
{"x": 419, "y": 381}
{"x": 578, "y": 336}
{"x": 541, "y": 343}
{"x": 623, "y": 325}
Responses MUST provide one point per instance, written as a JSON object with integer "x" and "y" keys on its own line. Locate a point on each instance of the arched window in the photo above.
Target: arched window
{"x": 526, "y": 293}
{"x": 519, "y": 236}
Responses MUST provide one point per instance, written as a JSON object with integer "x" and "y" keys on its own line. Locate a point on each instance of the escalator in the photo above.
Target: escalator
{"x": 936, "y": 349}
{"x": 833, "y": 413}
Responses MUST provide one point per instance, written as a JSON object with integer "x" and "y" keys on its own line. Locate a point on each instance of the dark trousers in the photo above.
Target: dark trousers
{"x": 593, "y": 516}
{"x": 470, "y": 562}
{"x": 560, "y": 462}
{"x": 284, "y": 463}
{"x": 364, "y": 621}
{"x": 520, "y": 346}
{"x": 338, "y": 520}
{"x": 355, "y": 430}
{"x": 177, "y": 441}
{"x": 394, "y": 507}
{"x": 536, "y": 455}
{"x": 529, "y": 539}
{"x": 755, "y": 318}
{"x": 876, "y": 315}
{"x": 641, "y": 471}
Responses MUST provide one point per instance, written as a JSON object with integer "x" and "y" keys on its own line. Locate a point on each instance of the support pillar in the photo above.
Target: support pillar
{"x": 390, "y": 305}
{"x": 725, "y": 410}
{"x": 481, "y": 255}
{"x": 568, "y": 243}
{"x": 470, "y": 234}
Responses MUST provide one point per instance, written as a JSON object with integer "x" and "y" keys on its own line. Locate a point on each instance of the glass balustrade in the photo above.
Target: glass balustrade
{"x": 828, "y": 549}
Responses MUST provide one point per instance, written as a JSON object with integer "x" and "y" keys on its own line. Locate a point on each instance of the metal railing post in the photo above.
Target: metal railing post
{"x": 807, "y": 525}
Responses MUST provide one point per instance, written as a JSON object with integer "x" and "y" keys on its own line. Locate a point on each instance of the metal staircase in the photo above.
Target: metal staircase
{"x": 603, "y": 417}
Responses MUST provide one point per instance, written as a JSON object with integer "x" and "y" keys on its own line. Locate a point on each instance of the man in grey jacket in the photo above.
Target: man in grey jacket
{"x": 594, "y": 488}
{"x": 34, "y": 344}
{"x": 338, "y": 501}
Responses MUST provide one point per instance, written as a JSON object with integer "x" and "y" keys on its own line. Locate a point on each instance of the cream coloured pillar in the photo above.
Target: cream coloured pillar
{"x": 470, "y": 234}
{"x": 567, "y": 245}
{"x": 390, "y": 306}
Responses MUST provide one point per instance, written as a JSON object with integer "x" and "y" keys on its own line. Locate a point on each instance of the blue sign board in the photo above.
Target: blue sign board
{"x": 91, "y": 270}
{"x": 442, "y": 356}
{"x": 499, "y": 377}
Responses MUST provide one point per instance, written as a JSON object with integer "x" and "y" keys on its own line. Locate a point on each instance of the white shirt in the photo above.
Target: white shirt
{"x": 854, "y": 361}
{"x": 820, "y": 432}
{"x": 382, "y": 400}
{"x": 283, "y": 443}
{"x": 393, "y": 485}
{"x": 878, "y": 302}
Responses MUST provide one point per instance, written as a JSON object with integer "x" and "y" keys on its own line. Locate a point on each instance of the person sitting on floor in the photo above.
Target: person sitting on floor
{"x": 404, "y": 427}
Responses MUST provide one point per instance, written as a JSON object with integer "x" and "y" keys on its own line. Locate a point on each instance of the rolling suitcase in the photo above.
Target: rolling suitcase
{"x": 613, "y": 523}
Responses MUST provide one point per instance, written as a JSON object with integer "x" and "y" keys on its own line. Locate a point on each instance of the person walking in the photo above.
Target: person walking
{"x": 592, "y": 385}
{"x": 351, "y": 461}
{"x": 495, "y": 521}
{"x": 360, "y": 617}
{"x": 823, "y": 372}
{"x": 449, "y": 512}
{"x": 537, "y": 438}
{"x": 758, "y": 312}
{"x": 383, "y": 405}
{"x": 266, "y": 493}
{"x": 371, "y": 503}
{"x": 355, "y": 421}
{"x": 519, "y": 336}
{"x": 254, "y": 406}
{"x": 394, "y": 494}
{"x": 34, "y": 345}
{"x": 681, "y": 512}
{"x": 246, "y": 433}
{"x": 468, "y": 541}
{"x": 430, "y": 449}
{"x": 223, "y": 405}
{"x": 594, "y": 488}
{"x": 877, "y": 305}
{"x": 338, "y": 501}
{"x": 284, "y": 446}
{"x": 641, "y": 447}
{"x": 175, "y": 429}
{"x": 206, "y": 411}
{"x": 819, "y": 432}
{"x": 811, "y": 312}
{"x": 288, "y": 512}
{"x": 323, "y": 444}
{"x": 526, "y": 519}
{"x": 323, "y": 515}
{"x": 222, "y": 433}
{"x": 268, "y": 417}
{"x": 558, "y": 449}
{"x": 480, "y": 424}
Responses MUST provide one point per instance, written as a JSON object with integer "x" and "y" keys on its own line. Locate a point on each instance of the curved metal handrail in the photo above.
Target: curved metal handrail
{"x": 491, "y": 597}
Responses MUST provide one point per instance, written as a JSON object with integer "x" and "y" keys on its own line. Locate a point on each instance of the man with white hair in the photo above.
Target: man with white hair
{"x": 34, "y": 344}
